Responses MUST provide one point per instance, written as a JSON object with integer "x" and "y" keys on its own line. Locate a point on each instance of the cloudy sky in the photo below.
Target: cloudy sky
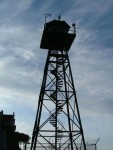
{"x": 91, "y": 55}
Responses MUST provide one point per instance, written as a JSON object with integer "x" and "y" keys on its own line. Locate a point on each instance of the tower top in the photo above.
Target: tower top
{"x": 58, "y": 23}
{"x": 57, "y": 35}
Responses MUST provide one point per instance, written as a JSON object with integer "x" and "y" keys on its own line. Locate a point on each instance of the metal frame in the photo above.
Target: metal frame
{"x": 58, "y": 115}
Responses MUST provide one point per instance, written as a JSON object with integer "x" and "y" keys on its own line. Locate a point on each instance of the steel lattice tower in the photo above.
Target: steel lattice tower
{"x": 58, "y": 124}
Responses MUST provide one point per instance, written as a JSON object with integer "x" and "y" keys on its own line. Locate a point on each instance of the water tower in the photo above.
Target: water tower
{"x": 58, "y": 124}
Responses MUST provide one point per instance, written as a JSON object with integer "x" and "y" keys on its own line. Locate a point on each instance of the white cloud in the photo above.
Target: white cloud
{"x": 22, "y": 62}
{"x": 13, "y": 7}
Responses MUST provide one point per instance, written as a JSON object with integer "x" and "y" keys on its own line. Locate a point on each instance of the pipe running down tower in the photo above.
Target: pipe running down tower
{"x": 58, "y": 124}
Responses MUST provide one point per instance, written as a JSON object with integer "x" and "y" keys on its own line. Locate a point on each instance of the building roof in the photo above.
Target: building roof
{"x": 58, "y": 23}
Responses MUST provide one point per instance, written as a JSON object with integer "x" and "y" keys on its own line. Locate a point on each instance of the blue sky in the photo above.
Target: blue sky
{"x": 91, "y": 55}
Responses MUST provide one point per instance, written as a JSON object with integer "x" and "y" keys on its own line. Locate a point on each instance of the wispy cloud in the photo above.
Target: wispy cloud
{"x": 91, "y": 56}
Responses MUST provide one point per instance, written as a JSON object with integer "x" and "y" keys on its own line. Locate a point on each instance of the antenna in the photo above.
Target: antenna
{"x": 46, "y": 16}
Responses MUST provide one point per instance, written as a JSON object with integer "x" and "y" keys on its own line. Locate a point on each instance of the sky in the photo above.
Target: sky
{"x": 91, "y": 56}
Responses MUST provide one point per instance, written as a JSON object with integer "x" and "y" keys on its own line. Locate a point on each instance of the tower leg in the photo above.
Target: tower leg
{"x": 39, "y": 109}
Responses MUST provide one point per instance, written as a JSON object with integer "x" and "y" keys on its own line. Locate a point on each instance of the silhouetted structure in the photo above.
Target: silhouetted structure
{"x": 58, "y": 125}
{"x": 9, "y": 139}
